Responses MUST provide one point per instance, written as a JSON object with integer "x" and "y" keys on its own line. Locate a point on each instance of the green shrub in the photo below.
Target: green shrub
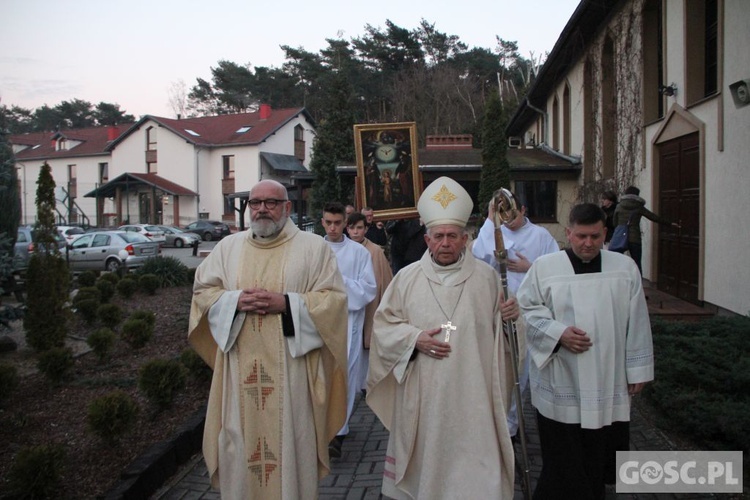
{"x": 109, "y": 314}
{"x": 113, "y": 278}
{"x": 169, "y": 271}
{"x": 136, "y": 332}
{"x": 47, "y": 294}
{"x": 149, "y": 283}
{"x": 86, "y": 278}
{"x": 191, "y": 275}
{"x": 37, "y": 471}
{"x": 106, "y": 287}
{"x": 195, "y": 364}
{"x": 101, "y": 342}
{"x": 56, "y": 363}
{"x": 112, "y": 415}
{"x": 161, "y": 380}
{"x": 8, "y": 381}
{"x": 87, "y": 293}
{"x": 148, "y": 316}
{"x": 126, "y": 287}
{"x": 88, "y": 309}
{"x": 701, "y": 385}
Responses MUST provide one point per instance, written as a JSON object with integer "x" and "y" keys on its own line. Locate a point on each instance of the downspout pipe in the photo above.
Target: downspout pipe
{"x": 544, "y": 119}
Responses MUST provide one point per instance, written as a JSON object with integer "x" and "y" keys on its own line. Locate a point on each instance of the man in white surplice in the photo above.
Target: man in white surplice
{"x": 437, "y": 375}
{"x": 525, "y": 242}
{"x": 589, "y": 339}
{"x": 269, "y": 316}
{"x": 355, "y": 265}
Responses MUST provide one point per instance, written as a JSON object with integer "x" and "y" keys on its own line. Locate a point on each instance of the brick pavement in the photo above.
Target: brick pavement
{"x": 358, "y": 473}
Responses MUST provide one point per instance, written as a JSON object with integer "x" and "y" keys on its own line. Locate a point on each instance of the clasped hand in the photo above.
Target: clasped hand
{"x": 261, "y": 301}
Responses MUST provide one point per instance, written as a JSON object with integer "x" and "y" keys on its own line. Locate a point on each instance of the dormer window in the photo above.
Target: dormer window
{"x": 61, "y": 144}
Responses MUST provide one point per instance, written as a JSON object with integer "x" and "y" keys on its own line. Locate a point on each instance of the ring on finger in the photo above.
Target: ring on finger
{"x": 432, "y": 351}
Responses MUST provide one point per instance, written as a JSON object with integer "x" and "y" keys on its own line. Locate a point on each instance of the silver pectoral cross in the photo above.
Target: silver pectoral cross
{"x": 448, "y": 328}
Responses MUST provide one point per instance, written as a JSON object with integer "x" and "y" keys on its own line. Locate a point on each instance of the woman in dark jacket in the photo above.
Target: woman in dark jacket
{"x": 608, "y": 203}
{"x": 632, "y": 204}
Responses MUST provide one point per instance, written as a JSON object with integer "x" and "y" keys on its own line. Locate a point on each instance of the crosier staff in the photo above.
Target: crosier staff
{"x": 505, "y": 210}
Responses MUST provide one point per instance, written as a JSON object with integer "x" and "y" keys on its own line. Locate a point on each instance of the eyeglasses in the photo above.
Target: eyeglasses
{"x": 270, "y": 203}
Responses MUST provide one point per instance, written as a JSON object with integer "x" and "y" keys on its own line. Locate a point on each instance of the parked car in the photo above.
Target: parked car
{"x": 26, "y": 245}
{"x": 175, "y": 237}
{"x": 109, "y": 250}
{"x": 208, "y": 229}
{"x": 150, "y": 231}
{"x": 70, "y": 233}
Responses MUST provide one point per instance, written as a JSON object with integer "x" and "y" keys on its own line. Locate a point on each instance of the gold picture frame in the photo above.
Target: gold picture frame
{"x": 388, "y": 177}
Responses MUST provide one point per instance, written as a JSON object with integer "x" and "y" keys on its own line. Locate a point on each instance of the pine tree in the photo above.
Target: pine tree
{"x": 333, "y": 145}
{"x": 48, "y": 277}
{"x": 10, "y": 207}
{"x": 495, "y": 167}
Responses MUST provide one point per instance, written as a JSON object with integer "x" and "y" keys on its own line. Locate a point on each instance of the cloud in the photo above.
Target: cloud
{"x": 27, "y": 92}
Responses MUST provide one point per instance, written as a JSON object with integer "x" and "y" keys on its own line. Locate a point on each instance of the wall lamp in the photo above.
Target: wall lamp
{"x": 740, "y": 91}
{"x": 668, "y": 90}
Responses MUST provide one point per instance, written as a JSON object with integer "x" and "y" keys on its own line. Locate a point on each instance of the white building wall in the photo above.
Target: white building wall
{"x": 87, "y": 173}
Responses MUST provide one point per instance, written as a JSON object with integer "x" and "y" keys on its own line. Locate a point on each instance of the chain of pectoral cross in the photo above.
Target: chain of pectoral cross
{"x": 449, "y": 326}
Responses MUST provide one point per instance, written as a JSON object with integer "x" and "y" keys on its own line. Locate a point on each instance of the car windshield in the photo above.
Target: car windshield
{"x": 173, "y": 229}
{"x": 131, "y": 237}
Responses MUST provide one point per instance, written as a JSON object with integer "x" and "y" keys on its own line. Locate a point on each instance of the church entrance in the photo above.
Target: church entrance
{"x": 679, "y": 200}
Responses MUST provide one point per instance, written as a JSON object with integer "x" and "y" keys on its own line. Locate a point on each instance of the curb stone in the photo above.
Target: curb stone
{"x": 147, "y": 473}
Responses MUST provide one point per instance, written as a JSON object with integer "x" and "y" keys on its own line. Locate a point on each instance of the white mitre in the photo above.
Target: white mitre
{"x": 444, "y": 201}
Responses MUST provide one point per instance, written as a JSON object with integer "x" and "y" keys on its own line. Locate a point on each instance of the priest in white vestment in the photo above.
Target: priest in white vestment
{"x": 269, "y": 316}
{"x": 437, "y": 380}
{"x": 589, "y": 339}
{"x": 355, "y": 265}
{"x": 525, "y": 242}
{"x": 356, "y": 227}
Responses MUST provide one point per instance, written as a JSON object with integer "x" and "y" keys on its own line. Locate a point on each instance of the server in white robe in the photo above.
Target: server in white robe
{"x": 355, "y": 265}
{"x": 525, "y": 242}
{"x": 437, "y": 380}
{"x": 589, "y": 339}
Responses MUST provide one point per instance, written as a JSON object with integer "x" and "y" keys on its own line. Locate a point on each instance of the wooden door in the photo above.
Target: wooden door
{"x": 679, "y": 200}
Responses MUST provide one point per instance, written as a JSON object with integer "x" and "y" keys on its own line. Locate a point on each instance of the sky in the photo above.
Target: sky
{"x": 132, "y": 52}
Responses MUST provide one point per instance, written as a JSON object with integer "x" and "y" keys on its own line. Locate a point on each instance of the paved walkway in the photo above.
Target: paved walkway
{"x": 358, "y": 473}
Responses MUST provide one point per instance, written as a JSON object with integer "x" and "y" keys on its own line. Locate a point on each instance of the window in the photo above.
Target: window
{"x": 299, "y": 143}
{"x": 702, "y": 26}
{"x": 61, "y": 144}
{"x": 72, "y": 180}
{"x": 244, "y": 129}
{"x": 228, "y": 165}
{"x": 152, "y": 168}
{"x": 653, "y": 61}
{"x": 566, "y": 120}
{"x": 540, "y": 199}
{"x": 609, "y": 110}
{"x": 555, "y": 124}
{"x": 151, "y": 139}
{"x": 100, "y": 240}
{"x": 228, "y": 206}
{"x": 299, "y": 133}
{"x": 103, "y": 173}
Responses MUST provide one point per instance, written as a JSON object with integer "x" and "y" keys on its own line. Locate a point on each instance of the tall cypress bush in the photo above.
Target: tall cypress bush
{"x": 48, "y": 278}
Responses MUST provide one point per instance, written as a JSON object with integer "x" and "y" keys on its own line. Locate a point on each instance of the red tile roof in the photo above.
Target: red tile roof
{"x": 94, "y": 142}
{"x": 222, "y": 130}
{"x": 132, "y": 179}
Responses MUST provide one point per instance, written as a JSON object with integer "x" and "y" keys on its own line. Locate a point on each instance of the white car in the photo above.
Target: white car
{"x": 175, "y": 237}
{"x": 150, "y": 231}
{"x": 70, "y": 233}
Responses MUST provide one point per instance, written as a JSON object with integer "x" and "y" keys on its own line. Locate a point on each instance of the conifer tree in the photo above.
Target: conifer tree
{"x": 10, "y": 208}
{"x": 495, "y": 167}
{"x": 333, "y": 145}
{"x": 48, "y": 277}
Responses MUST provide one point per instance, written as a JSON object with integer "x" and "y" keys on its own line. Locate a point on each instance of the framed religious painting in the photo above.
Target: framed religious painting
{"x": 388, "y": 177}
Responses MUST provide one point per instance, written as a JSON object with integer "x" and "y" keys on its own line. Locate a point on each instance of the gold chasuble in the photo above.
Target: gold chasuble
{"x": 274, "y": 401}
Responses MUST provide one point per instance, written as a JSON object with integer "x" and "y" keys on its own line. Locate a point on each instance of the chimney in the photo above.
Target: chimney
{"x": 111, "y": 133}
{"x": 265, "y": 111}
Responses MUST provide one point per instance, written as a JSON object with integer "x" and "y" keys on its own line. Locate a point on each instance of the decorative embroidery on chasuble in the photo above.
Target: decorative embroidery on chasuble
{"x": 262, "y": 357}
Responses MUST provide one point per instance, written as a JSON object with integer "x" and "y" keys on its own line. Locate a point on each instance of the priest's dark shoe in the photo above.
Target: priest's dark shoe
{"x": 334, "y": 447}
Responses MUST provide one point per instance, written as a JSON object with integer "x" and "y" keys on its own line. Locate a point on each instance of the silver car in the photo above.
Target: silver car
{"x": 174, "y": 237}
{"x": 110, "y": 250}
{"x": 150, "y": 231}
